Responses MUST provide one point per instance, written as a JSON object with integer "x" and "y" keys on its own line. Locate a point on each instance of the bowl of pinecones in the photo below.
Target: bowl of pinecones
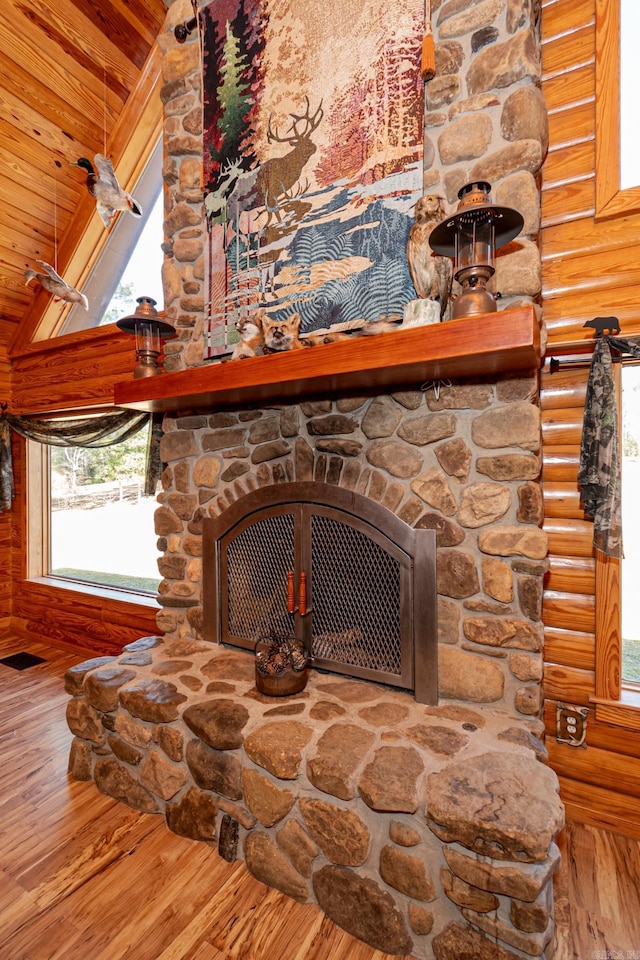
{"x": 281, "y": 665}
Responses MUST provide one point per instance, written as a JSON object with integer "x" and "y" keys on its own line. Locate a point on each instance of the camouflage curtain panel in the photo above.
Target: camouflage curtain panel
{"x": 599, "y": 472}
{"x": 93, "y": 432}
{"x": 313, "y": 159}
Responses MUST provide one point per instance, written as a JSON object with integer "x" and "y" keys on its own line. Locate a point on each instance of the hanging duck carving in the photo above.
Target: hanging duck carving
{"x": 53, "y": 283}
{"x": 105, "y": 189}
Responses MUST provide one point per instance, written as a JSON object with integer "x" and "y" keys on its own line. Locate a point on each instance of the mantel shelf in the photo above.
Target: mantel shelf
{"x": 495, "y": 343}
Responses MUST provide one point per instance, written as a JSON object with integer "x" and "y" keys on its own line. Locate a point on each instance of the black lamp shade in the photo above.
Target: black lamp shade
{"x": 147, "y": 314}
{"x": 475, "y": 207}
{"x": 148, "y": 329}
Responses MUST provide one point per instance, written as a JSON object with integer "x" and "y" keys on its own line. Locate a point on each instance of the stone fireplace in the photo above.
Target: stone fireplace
{"x": 421, "y": 824}
{"x": 464, "y": 464}
{"x": 421, "y": 829}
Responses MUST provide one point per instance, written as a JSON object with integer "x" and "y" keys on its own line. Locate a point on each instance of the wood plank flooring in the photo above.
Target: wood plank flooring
{"x": 83, "y": 876}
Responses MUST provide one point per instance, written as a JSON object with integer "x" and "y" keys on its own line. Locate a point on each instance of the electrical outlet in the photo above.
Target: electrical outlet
{"x": 571, "y": 724}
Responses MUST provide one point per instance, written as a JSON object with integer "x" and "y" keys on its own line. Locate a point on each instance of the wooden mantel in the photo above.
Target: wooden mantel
{"x": 495, "y": 343}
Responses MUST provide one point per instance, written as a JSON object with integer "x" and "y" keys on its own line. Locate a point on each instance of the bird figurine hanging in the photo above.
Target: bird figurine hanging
{"x": 105, "y": 189}
{"x": 53, "y": 283}
{"x": 432, "y": 275}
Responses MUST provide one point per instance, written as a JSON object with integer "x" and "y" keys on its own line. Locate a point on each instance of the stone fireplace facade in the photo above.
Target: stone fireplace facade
{"x": 464, "y": 464}
{"x": 423, "y": 830}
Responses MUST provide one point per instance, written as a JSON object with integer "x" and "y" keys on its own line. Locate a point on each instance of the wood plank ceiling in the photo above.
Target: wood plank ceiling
{"x": 67, "y": 70}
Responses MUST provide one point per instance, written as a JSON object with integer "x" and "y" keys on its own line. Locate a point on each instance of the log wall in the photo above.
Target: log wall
{"x": 590, "y": 269}
{"x": 65, "y": 373}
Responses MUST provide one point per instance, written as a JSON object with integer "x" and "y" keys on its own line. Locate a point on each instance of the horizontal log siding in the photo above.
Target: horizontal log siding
{"x": 589, "y": 269}
{"x": 71, "y": 372}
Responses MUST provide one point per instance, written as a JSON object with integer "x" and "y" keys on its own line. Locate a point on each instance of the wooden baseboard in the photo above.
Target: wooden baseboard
{"x": 13, "y": 626}
{"x": 600, "y": 807}
{"x": 19, "y": 628}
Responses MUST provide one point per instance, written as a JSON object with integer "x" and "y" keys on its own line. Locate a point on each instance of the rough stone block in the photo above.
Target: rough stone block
{"x": 524, "y": 881}
{"x": 503, "y": 806}
{"x": 341, "y": 834}
{"x": 270, "y": 866}
{"x": 267, "y": 802}
{"x": 340, "y": 752}
{"x": 406, "y": 873}
{"x": 362, "y": 908}
{"x": 194, "y": 815}
{"x": 278, "y": 747}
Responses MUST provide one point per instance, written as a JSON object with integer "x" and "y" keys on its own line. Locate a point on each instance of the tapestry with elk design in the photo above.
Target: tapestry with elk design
{"x": 313, "y": 150}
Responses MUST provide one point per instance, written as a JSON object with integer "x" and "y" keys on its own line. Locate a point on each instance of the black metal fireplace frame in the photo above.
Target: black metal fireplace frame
{"x": 414, "y": 549}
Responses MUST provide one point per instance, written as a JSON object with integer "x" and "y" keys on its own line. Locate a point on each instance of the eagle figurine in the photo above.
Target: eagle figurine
{"x": 53, "y": 283}
{"x": 431, "y": 274}
{"x": 105, "y": 189}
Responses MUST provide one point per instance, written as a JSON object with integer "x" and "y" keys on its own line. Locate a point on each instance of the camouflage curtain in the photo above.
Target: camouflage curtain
{"x": 599, "y": 472}
{"x": 101, "y": 431}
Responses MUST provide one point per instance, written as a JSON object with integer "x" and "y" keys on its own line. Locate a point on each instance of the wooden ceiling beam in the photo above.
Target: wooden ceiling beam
{"x": 69, "y": 69}
{"x": 89, "y": 47}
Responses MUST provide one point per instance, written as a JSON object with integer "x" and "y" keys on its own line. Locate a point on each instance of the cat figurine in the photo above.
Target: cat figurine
{"x": 250, "y": 331}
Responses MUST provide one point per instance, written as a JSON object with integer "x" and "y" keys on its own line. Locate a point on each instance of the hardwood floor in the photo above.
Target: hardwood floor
{"x": 83, "y": 876}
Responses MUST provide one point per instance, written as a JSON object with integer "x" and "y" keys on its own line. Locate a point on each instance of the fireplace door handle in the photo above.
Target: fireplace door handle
{"x": 301, "y": 607}
{"x": 291, "y": 596}
{"x": 302, "y": 595}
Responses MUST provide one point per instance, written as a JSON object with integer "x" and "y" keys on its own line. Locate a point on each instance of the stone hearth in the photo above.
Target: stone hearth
{"x": 420, "y": 830}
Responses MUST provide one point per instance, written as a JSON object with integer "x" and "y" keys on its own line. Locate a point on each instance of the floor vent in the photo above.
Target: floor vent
{"x": 21, "y": 661}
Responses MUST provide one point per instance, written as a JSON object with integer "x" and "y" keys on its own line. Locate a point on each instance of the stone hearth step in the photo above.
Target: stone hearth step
{"x": 420, "y": 830}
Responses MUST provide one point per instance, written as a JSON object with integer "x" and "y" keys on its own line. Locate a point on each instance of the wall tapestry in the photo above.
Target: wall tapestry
{"x": 313, "y": 146}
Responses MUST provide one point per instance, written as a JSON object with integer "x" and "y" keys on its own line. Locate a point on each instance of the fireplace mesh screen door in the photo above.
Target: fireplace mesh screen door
{"x": 356, "y": 599}
{"x": 257, "y": 562}
{"x": 370, "y": 583}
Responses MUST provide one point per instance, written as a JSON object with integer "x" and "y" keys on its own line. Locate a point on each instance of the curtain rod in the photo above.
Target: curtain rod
{"x": 555, "y": 364}
{"x": 600, "y": 326}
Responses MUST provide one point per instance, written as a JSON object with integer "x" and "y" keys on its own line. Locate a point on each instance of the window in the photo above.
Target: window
{"x": 130, "y": 265}
{"x": 629, "y": 86}
{"x": 96, "y": 496}
{"x": 101, "y": 528}
{"x": 617, "y": 696}
{"x": 630, "y": 523}
{"x": 617, "y": 172}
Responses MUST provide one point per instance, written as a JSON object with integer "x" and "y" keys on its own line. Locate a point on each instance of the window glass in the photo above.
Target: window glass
{"x": 629, "y": 86}
{"x": 101, "y": 523}
{"x": 130, "y": 266}
{"x": 630, "y": 522}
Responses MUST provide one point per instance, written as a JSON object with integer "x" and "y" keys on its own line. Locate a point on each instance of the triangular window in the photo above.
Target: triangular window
{"x": 130, "y": 265}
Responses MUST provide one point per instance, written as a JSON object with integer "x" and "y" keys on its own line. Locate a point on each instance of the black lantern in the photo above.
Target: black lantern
{"x": 471, "y": 236}
{"x": 148, "y": 329}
